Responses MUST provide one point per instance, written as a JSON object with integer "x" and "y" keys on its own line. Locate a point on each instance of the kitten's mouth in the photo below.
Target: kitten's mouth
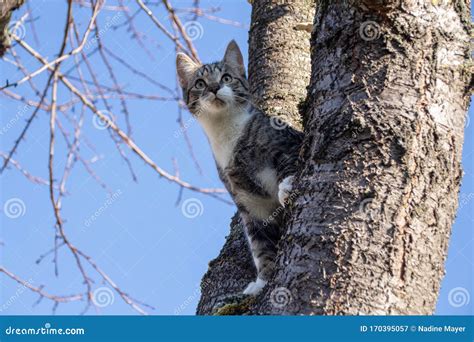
{"x": 218, "y": 101}
{"x": 215, "y": 100}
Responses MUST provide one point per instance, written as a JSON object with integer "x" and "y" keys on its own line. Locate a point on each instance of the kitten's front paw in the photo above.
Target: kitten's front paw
{"x": 254, "y": 287}
{"x": 284, "y": 190}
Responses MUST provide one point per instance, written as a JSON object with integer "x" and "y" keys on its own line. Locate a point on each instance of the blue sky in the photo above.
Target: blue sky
{"x": 152, "y": 248}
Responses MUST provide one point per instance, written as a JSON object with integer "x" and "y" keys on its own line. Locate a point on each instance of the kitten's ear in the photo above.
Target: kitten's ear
{"x": 233, "y": 57}
{"x": 185, "y": 67}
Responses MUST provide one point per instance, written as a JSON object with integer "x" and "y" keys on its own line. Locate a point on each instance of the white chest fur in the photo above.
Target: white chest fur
{"x": 224, "y": 130}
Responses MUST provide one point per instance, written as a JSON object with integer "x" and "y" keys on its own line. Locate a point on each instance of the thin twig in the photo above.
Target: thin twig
{"x": 181, "y": 29}
{"x": 133, "y": 146}
{"x": 160, "y": 26}
{"x": 39, "y": 290}
{"x": 62, "y": 55}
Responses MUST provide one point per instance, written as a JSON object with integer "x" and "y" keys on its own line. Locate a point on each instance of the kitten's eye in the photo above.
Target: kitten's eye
{"x": 226, "y": 78}
{"x": 200, "y": 84}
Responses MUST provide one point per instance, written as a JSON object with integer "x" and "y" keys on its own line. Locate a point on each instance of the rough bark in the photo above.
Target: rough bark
{"x": 279, "y": 56}
{"x": 377, "y": 194}
{"x": 6, "y": 9}
{"x": 377, "y": 191}
{"x": 279, "y": 72}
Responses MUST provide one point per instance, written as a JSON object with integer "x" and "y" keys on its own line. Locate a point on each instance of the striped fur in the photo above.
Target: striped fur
{"x": 255, "y": 158}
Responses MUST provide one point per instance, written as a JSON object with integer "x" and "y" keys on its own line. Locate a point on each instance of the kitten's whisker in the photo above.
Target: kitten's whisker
{"x": 193, "y": 102}
{"x": 197, "y": 111}
{"x": 246, "y": 99}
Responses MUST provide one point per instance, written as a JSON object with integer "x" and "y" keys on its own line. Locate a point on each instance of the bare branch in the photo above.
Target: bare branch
{"x": 133, "y": 146}
{"x": 39, "y": 290}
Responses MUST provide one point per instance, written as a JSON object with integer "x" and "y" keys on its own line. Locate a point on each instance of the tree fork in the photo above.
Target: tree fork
{"x": 377, "y": 191}
{"x": 279, "y": 72}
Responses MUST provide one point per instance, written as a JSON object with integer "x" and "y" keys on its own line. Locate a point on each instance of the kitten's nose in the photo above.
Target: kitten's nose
{"x": 214, "y": 88}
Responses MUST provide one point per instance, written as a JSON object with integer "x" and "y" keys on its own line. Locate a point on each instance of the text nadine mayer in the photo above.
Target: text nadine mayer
{"x": 445, "y": 328}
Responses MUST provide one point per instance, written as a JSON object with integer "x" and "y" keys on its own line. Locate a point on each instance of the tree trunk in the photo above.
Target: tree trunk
{"x": 377, "y": 192}
{"x": 279, "y": 70}
{"x": 6, "y": 9}
{"x": 279, "y": 56}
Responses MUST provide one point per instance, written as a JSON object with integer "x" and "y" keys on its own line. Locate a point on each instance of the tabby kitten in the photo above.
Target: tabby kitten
{"x": 255, "y": 157}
